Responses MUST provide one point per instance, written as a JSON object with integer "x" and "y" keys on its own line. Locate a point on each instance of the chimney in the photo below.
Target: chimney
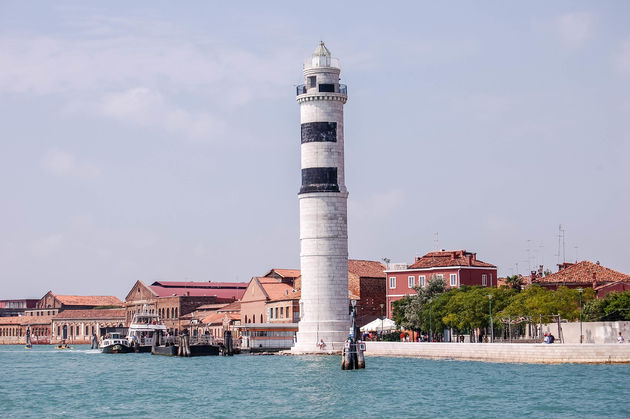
{"x": 597, "y": 263}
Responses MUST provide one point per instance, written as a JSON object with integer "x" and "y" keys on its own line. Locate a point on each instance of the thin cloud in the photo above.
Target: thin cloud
{"x": 61, "y": 163}
{"x": 576, "y": 28}
{"x": 621, "y": 58}
{"x": 146, "y": 107}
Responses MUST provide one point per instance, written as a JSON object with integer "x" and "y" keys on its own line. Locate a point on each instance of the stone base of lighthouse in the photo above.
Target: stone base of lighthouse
{"x": 324, "y": 303}
{"x": 333, "y": 333}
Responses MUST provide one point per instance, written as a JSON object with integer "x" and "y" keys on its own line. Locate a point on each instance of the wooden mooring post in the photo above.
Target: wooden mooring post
{"x": 352, "y": 356}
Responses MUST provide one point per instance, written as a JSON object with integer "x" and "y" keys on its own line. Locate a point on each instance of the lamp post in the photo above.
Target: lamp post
{"x": 382, "y": 318}
{"x": 430, "y": 323}
{"x": 580, "y": 290}
{"x": 491, "y": 325}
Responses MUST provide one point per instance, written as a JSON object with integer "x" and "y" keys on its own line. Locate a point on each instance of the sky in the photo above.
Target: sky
{"x": 157, "y": 140}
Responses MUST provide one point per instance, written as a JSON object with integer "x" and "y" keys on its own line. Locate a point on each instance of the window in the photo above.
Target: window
{"x": 453, "y": 280}
{"x": 276, "y": 312}
{"x": 281, "y": 311}
{"x": 484, "y": 280}
{"x": 422, "y": 280}
{"x": 411, "y": 281}
{"x": 327, "y": 88}
{"x": 439, "y": 276}
{"x": 392, "y": 282}
{"x": 312, "y": 81}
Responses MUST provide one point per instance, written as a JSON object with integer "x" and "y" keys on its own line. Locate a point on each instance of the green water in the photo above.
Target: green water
{"x": 45, "y": 382}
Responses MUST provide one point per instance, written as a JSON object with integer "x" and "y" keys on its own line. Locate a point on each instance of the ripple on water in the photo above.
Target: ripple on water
{"x": 82, "y": 382}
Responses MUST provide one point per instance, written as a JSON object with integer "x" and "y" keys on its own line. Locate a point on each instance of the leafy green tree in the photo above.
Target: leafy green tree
{"x": 617, "y": 306}
{"x": 416, "y": 313}
{"x": 399, "y": 311}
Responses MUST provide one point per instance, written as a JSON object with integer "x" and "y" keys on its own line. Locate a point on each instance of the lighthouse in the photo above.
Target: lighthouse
{"x": 324, "y": 304}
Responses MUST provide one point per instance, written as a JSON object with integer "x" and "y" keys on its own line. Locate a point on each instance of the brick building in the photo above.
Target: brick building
{"x": 172, "y": 300}
{"x": 51, "y": 304}
{"x": 16, "y": 307}
{"x": 455, "y": 267}
{"x": 39, "y": 319}
{"x": 77, "y": 326}
{"x": 270, "y": 308}
{"x": 586, "y": 274}
{"x": 13, "y": 329}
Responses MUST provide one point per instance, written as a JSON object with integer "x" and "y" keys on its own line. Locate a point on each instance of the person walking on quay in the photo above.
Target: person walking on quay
{"x": 620, "y": 338}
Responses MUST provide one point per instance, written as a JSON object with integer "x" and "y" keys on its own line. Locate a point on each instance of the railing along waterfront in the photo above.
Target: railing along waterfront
{"x": 302, "y": 90}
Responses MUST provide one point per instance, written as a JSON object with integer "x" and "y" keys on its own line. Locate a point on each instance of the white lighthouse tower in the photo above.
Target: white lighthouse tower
{"x": 324, "y": 305}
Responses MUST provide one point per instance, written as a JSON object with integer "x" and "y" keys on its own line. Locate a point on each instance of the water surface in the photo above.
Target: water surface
{"x": 45, "y": 382}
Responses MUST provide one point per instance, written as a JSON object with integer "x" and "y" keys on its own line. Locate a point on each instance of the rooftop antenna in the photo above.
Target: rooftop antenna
{"x": 561, "y": 251}
{"x": 576, "y": 253}
{"x": 564, "y": 248}
{"x": 436, "y": 240}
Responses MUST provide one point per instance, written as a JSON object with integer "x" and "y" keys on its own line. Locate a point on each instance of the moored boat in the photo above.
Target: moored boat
{"x": 142, "y": 330}
{"x": 114, "y": 343}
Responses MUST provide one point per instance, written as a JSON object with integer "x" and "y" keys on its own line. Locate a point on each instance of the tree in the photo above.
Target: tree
{"x": 417, "y": 316}
{"x": 399, "y": 311}
{"x": 617, "y": 306}
{"x": 514, "y": 282}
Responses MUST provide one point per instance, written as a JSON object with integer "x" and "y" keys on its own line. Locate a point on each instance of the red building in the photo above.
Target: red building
{"x": 454, "y": 267}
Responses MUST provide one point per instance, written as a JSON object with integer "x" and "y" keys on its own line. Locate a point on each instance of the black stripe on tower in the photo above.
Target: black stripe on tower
{"x": 316, "y": 132}
{"x": 319, "y": 179}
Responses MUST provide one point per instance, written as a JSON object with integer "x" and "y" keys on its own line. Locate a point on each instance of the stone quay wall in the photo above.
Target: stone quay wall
{"x": 593, "y": 332}
{"x": 528, "y": 353}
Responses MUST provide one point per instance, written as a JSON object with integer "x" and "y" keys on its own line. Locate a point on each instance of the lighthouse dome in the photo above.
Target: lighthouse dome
{"x": 322, "y": 57}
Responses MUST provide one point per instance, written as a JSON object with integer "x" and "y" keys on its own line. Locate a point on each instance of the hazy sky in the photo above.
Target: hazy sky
{"x": 161, "y": 140}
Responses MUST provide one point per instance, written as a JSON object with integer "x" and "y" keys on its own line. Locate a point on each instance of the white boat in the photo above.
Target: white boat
{"x": 142, "y": 330}
{"x": 114, "y": 343}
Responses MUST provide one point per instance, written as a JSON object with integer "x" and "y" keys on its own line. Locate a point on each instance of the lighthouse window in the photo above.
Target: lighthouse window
{"x": 312, "y": 81}
{"x": 327, "y": 88}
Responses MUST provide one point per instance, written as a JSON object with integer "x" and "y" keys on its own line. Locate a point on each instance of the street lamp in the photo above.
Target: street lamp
{"x": 491, "y": 326}
{"x": 430, "y": 323}
{"x": 580, "y": 290}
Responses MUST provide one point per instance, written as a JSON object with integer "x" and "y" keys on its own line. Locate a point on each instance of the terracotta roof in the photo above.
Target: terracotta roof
{"x": 89, "y": 300}
{"x": 193, "y": 284}
{"x": 449, "y": 258}
{"x": 285, "y": 273}
{"x": 25, "y": 320}
{"x": 584, "y": 272}
{"x": 198, "y": 292}
{"x": 298, "y": 294}
{"x": 292, "y": 296}
{"x": 213, "y": 318}
{"x": 612, "y": 284}
{"x": 233, "y": 316}
{"x": 235, "y": 306}
{"x": 366, "y": 268}
{"x": 92, "y": 314}
{"x": 268, "y": 280}
{"x": 211, "y": 306}
{"x": 276, "y": 289}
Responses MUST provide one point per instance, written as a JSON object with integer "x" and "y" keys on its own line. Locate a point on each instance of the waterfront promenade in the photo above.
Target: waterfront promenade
{"x": 529, "y": 353}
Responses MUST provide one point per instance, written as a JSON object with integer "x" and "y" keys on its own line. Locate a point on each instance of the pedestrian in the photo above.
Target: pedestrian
{"x": 620, "y": 338}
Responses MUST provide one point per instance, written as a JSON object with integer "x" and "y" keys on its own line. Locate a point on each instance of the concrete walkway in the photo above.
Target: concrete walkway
{"x": 530, "y": 353}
